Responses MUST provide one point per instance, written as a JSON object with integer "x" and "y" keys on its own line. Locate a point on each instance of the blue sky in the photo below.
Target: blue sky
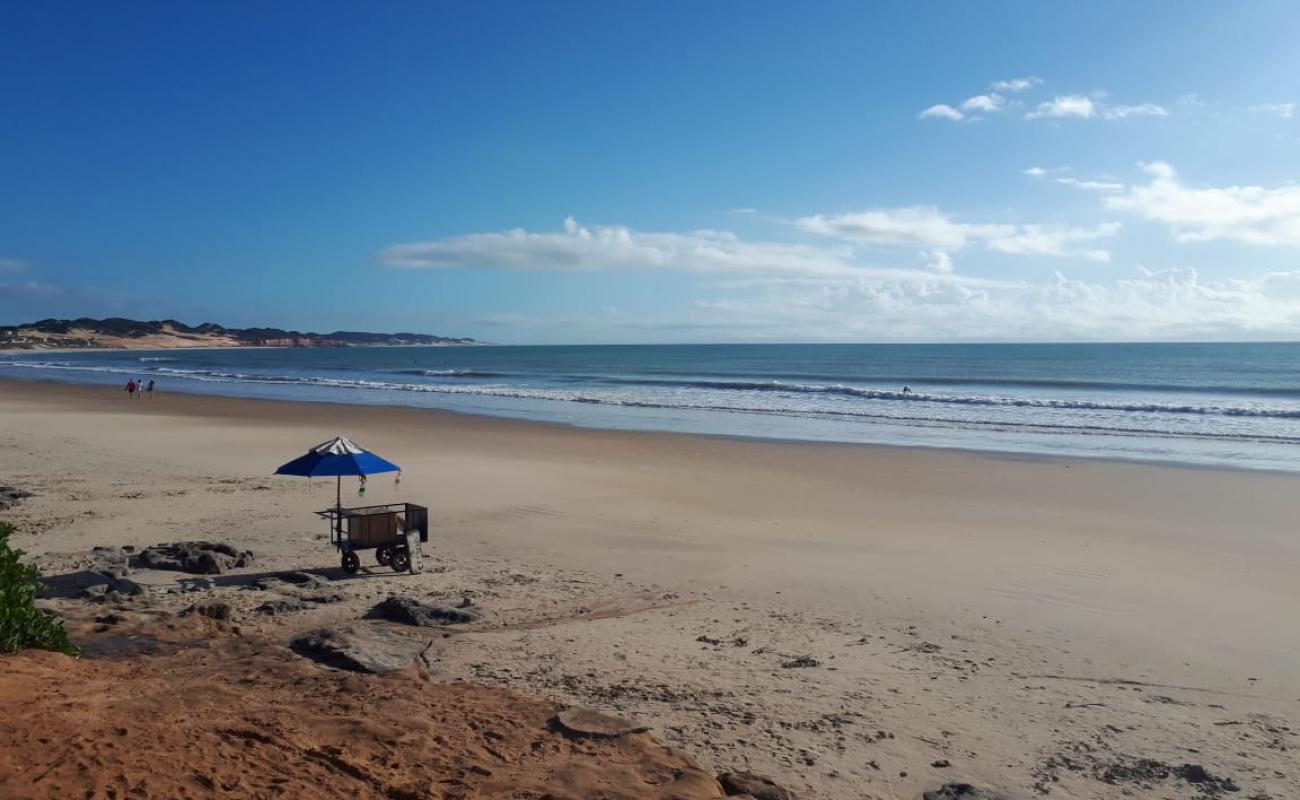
{"x": 653, "y": 172}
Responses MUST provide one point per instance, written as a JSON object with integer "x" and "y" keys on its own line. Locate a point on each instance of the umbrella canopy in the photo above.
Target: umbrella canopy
{"x": 338, "y": 456}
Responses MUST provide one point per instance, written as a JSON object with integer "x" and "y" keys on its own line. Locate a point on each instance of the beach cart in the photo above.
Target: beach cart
{"x": 393, "y": 530}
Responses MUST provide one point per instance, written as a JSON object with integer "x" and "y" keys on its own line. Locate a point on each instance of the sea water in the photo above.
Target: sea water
{"x": 1211, "y": 404}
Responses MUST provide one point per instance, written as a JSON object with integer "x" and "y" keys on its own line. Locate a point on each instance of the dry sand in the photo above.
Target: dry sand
{"x": 853, "y": 621}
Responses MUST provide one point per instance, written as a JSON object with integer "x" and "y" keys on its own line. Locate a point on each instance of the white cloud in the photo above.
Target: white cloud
{"x": 1251, "y": 214}
{"x": 1284, "y": 110}
{"x": 12, "y": 265}
{"x": 904, "y": 305}
{"x": 1042, "y": 172}
{"x": 925, "y": 226}
{"x": 616, "y": 247}
{"x": 1092, "y": 186}
{"x": 938, "y": 261}
{"x": 1068, "y": 105}
{"x": 742, "y": 211}
{"x": 1149, "y": 304}
{"x": 941, "y": 111}
{"x": 1015, "y": 84}
{"x": 929, "y": 228}
{"x": 934, "y": 235}
{"x": 1140, "y": 110}
{"x": 1041, "y": 240}
{"x": 1078, "y": 106}
{"x": 984, "y": 102}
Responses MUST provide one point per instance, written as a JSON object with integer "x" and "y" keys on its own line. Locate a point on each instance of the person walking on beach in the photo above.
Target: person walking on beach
{"x": 149, "y": 388}
{"x": 130, "y": 388}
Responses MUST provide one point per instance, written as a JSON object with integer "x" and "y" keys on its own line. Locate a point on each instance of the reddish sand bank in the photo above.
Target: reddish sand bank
{"x": 235, "y": 718}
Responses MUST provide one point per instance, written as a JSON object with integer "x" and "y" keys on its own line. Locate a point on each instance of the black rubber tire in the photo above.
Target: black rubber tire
{"x": 384, "y": 554}
{"x": 350, "y": 562}
{"x": 401, "y": 560}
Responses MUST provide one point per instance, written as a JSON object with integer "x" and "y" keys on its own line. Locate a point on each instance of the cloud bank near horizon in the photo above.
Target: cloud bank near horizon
{"x": 889, "y": 273}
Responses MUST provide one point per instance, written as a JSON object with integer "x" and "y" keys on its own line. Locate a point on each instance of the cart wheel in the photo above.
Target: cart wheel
{"x": 384, "y": 554}
{"x": 351, "y": 563}
{"x": 401, "y": 561}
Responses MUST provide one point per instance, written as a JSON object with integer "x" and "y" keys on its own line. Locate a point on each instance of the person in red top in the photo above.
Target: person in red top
{"x": 130, "y": 388}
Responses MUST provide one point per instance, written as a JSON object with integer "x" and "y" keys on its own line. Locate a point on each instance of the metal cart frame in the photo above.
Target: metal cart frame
{"x": 393, "y": 530}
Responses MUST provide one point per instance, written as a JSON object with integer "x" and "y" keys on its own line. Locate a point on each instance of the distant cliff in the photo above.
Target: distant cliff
{"x": 128, "y": 334}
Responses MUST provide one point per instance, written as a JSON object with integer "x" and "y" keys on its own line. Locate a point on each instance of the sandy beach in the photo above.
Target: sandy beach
{"x": 853, "y": 621}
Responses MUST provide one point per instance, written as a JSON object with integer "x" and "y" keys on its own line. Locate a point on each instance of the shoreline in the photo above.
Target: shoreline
{"x": 1007, "y": 455}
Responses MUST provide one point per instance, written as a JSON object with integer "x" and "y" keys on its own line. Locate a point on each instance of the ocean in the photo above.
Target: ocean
{"x": 1235, "y": 405}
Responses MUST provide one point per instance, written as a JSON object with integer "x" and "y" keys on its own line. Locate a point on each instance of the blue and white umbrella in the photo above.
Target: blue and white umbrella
{"x": 338, "y": 457}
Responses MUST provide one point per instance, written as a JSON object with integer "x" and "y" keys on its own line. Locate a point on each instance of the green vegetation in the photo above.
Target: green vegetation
{"x": 22, "y": 625}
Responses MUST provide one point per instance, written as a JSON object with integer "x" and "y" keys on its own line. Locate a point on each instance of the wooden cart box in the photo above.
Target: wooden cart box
{"x": 369, "y": 530}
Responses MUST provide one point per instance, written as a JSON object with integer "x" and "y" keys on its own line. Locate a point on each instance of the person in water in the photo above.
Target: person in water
{"x": 907, "y": 390}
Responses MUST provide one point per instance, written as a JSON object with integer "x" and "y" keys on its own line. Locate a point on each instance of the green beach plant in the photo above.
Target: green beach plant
{"x": 22, "y": 624}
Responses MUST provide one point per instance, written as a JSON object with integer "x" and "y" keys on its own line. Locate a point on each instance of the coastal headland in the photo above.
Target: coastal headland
{"x": 116, "y": 333}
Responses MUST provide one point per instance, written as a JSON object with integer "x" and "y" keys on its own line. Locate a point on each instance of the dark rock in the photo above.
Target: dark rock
{"x": 287, "y": 606}
{"x": 128, "y": 587}
{"x": 198, "y": 558}
{"x": 740, "y": 783}
{"x": 959, "y": 791}
{"x": 1208, "y": 782}
{"x": 1146, "y": 770}
{"x": 219, "y": 610}
{"x": 111, "y": 561}
{"x": 588, "y": 722}
{"x": 413, "y": 612}
{"x": 801, "y": 662}
{"x": 942, "y": 763}
{"x": 9, "y": 495}
{"x": 359, "y": 648}
{"x": 104, "y": 587}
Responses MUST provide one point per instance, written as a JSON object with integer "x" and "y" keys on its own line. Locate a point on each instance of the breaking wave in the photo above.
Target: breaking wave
{"x": 450, "y": 373}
